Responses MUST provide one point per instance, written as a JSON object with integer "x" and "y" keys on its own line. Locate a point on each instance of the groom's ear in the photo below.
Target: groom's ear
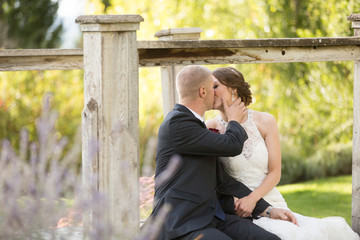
{"x": 202, "y": 91}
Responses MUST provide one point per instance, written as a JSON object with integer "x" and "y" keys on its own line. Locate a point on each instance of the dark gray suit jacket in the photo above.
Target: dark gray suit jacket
{"x": 193, "y": 188}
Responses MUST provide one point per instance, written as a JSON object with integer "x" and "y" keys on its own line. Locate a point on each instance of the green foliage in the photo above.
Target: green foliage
{"x": 29, "y": 24}
{"x": 311, "y": 101}
{"x": 21, "y": 96}
{"x": 151, "y": 113}
{"x": 320, "y": 198}
{"x": 32, "y": 24}
{"x": 293, "y": 169}
{"x": 332, "y": 160}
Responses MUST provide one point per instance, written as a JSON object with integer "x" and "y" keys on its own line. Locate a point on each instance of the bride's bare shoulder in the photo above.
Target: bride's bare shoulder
{"x": 264, "y": 117}
{"x": 264, "y": 121}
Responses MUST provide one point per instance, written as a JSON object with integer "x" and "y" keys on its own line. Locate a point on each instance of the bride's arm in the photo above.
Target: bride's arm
{"x": 267, "y": 126}
{"x": 270, "y": 132}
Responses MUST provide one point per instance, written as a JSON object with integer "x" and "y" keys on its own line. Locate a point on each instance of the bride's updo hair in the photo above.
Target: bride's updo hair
{"x": 232, "y": 78}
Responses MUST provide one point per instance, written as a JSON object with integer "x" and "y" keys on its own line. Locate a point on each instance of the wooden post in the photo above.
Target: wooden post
{"x": 168, "y": 73}
{"x": 111, "y": 119}
{"x": 355, "y": 220}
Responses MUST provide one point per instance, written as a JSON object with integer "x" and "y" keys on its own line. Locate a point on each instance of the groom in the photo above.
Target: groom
{"x": 195, "y": 187}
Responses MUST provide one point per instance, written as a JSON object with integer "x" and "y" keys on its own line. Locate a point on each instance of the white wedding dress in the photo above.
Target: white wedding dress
{"x": 251, "y": 167}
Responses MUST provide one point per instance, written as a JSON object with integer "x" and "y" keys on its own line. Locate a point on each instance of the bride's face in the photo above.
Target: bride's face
{"x": 220, "y": 91}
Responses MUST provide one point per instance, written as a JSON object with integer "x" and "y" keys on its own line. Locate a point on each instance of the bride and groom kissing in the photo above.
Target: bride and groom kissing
{"x": 224, "y": 187}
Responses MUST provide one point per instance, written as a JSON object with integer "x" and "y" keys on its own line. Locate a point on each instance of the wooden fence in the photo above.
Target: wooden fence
{"x": 110, "y": 58}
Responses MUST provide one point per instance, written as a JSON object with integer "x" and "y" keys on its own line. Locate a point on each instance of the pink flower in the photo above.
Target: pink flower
{"x": 147, "y": 185}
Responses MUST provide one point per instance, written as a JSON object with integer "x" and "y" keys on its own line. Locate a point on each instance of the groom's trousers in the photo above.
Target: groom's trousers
{"x": 233, "y": 227}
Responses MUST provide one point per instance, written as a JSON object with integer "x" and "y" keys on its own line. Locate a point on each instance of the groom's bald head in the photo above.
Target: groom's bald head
{"x": 190, "y": 79}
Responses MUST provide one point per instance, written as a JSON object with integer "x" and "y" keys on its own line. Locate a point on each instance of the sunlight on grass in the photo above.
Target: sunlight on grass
{"x": 320, "y": 198}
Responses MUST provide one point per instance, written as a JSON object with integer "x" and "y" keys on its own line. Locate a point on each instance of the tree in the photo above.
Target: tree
{"x": 29, "y": 24}
{"x": 311, "y": 101}
{"x": 33, "y": 24}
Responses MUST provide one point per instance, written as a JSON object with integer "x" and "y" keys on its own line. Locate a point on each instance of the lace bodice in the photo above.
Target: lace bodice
{"x": 251, "y": 166}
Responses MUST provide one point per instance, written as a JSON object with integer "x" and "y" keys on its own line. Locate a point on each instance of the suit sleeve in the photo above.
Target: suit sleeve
{"x": 227, "y": 185}
{"x": 190, "y": 137}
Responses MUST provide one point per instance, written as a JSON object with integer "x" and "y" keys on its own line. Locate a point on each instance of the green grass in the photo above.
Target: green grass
{"x": 320, "y": 198}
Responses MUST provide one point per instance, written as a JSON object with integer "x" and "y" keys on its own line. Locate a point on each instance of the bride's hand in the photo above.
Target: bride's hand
{"x": 237, "y": 111}
{"x": 283, "y": 214}
{"x": 244, "y": 206}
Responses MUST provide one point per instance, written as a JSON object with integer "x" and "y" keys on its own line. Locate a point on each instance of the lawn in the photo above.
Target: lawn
{"x": 320, "y": 198}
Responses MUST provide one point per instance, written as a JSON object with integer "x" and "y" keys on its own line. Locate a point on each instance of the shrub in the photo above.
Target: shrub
{"x": 334, "y": 160}
{"x": 292, "y": 168}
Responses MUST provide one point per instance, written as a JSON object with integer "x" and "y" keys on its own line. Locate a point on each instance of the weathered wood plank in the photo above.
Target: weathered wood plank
{"x": 192, "y": 33}
{"x": 356, "y": 152}
{"x": 40, "y": 52}
{"x": 355, "y": 202}
{"x": 168, "y": 73}
{"x": 248, "y": 51}
{"x": 250, "y": 43}
{"x": 110, "y": 19}
{"x": 174, "y": 56}
{"x": 168, "y": 84}
{"x": 90, "y": 156}
{"x": 40, "y": 59}
{"x": 164, "y": 53}
{"x": 166, "y": 57}
{"x": 111, "y": 84}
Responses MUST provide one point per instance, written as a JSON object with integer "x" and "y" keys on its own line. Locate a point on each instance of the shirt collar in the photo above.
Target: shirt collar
{"x": 196, "y": 115}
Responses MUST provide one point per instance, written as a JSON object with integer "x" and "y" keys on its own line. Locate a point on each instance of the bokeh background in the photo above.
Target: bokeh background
{"x": 312, "y": 102}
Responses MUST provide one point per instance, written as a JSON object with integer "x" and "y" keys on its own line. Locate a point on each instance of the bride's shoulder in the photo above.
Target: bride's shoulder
{"x": 264, "y": 119}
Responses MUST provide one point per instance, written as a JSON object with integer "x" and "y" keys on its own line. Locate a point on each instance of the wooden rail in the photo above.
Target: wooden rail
{"x": 184, "y": 52}
{"x": 40, "y": 59}
{"x": 248, "y": 51}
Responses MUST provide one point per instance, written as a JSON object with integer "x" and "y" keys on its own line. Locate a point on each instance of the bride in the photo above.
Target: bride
{"x": 259, "y": 165}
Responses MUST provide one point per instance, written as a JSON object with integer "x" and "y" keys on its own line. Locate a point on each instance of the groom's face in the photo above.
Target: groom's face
{"x": 209, "y": 101}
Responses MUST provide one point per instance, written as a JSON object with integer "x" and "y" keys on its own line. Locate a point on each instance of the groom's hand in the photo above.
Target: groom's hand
{"x": 236, "y": 111}
{"x": 244, "y": 206}
{"x": 282, "y": 214}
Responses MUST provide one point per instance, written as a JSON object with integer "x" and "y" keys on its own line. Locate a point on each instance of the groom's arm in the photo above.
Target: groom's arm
{"x": 189, "y": 136}
{"x": 230, "y": 186}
